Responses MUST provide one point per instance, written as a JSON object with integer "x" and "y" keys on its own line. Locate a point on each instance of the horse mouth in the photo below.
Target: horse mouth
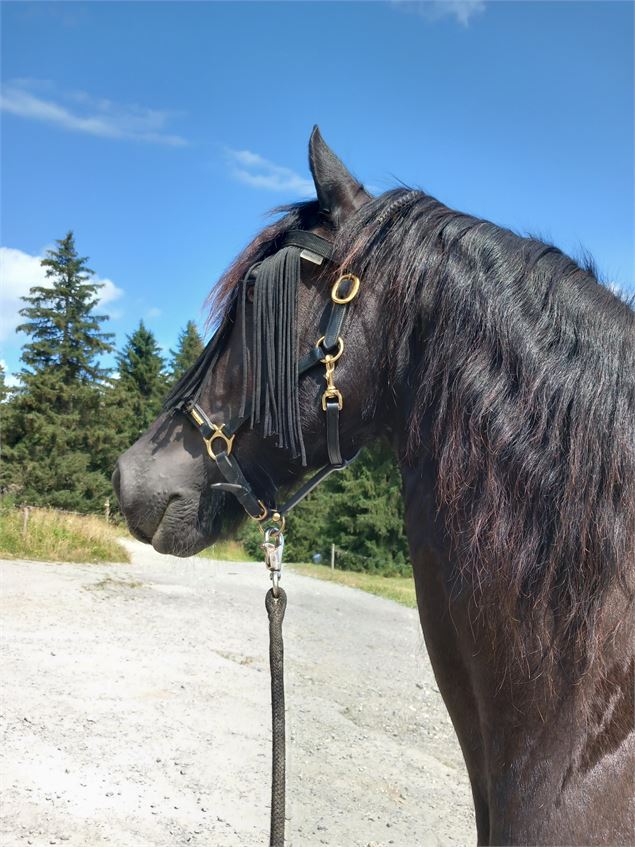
{"x": 188, "y": 526}
{"x": 180, "y": 531}
{"x": 139, "y": 535}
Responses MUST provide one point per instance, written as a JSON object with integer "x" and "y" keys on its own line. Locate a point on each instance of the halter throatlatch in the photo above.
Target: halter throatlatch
{"x": 275, "y": 373}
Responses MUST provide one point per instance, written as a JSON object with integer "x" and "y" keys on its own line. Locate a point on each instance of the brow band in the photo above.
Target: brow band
{"x": 310, "y": 241}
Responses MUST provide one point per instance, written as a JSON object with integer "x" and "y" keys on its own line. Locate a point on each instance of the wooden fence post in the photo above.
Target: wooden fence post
{"x": 107, "y": 509}
{"x": 25, "y": 520}
{"x": 332, "y": 557}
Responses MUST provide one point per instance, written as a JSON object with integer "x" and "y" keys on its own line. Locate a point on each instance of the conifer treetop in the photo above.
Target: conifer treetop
{"x": 189, "y": 347}
{"x": 64, "y": 332}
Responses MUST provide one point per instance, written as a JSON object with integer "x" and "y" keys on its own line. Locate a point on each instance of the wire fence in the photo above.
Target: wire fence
{"x": 343, "y": 555}
{"x": 27, "y": 508}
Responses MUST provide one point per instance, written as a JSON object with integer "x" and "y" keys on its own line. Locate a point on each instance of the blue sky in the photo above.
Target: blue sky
{"x": 162, "y": 132}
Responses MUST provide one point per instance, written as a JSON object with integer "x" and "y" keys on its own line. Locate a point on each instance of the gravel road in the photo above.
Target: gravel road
{"x": 135, "y": 711}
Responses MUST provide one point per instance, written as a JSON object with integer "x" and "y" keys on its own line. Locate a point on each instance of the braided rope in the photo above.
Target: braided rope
{"x": 276, "y": 607}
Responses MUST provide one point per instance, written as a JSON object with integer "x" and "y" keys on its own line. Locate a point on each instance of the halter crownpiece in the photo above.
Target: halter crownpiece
{"x": 219, "y": 437}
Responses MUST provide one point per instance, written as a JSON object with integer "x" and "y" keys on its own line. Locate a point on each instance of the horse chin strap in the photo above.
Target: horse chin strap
{"x": 219, "y": 437}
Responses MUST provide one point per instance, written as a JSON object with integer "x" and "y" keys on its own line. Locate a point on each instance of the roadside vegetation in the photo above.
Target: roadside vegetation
{"x": 52, "y": 536}
{"x": 398, "y": 588}
{"x": 401, "y": 589}
{"x": 227, "y": 551}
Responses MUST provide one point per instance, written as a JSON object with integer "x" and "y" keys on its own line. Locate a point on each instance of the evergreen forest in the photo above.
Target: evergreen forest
{"x": 68, "y": 419}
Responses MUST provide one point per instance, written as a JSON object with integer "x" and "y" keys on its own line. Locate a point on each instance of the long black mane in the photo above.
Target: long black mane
{"x": 526, "y": 366}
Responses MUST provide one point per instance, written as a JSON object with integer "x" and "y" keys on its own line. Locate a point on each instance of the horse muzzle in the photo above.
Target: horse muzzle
{"x": 174, "y": 521}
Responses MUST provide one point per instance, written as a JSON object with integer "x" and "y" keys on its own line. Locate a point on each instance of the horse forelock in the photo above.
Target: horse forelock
{"x": 223, "y": 294}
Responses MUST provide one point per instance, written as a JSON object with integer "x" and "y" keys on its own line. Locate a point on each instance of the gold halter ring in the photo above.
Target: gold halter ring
{"x": 352, "y": 294}
{"x": 218, "y": 433}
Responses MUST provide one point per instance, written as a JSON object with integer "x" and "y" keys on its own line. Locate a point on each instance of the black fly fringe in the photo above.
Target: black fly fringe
{"x": 274, "y": 367}
{"x": 270, "y": 363}
{"x": 243, "y": 342}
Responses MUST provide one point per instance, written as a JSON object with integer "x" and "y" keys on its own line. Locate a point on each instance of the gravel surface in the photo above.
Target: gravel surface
{"x": 135, "y": 711}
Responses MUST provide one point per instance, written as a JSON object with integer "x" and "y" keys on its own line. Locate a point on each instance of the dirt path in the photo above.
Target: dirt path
{"x": 135, "y": 711}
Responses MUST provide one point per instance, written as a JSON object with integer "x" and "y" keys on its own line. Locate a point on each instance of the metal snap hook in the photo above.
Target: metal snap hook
{"x": 273, "y": 547}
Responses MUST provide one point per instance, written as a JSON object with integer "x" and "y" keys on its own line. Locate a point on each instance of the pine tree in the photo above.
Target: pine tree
{"x": 367, "y": 516}
{"x": 142, "y": 384}
{"x": 56, "y": 416}
{"x": 189, "y": 348}
{"x": 64, "y": 332}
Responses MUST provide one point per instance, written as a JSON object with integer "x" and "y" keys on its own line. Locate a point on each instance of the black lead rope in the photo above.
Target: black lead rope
{"x": 275, "y": 609}
{"x": 277, "y": 381}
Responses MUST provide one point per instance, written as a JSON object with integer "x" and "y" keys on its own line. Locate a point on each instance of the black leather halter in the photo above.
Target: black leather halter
{"x": 219, "y": 437}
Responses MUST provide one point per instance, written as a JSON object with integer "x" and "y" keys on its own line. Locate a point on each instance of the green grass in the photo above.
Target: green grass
{"x": 226, "y": 551}
{"x": 401, "y": 589}
{"x": 398, "y": 588}
{"x": 53, "y": 536}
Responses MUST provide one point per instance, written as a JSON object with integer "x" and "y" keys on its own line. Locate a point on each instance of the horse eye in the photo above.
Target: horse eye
{"x": 250, "y": 293}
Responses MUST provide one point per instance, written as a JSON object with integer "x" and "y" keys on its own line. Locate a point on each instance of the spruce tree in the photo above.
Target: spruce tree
{"x": 64, "y": 332}
{"x": 142, "y": 384}
{"x": 367, "y": 515}
{"x": 189, "y": 347}
{"x": 55, "y": 417}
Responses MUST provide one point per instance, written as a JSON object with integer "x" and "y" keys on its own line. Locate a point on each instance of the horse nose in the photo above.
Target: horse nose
{"x": 116, "y": 482}
{"x": 125, "y": 493}
{"x": 130, "y": 502}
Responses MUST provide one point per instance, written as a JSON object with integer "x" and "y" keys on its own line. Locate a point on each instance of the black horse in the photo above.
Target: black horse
{"x": 503, "y": 375}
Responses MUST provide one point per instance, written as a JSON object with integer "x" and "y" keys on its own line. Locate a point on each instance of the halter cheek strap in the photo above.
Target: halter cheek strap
{"x": 219, "y": 447}
{"x": 219, "y": 438}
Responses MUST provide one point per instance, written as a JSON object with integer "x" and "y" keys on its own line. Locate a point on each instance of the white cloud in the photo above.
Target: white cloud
{"x": 254, "y": 170}
{"x": 20, "y": 271}
{"x": 434, "y": 10}
{"x": 10, "y": 380}
{"x": 86, "y": 114}
{"x": 153, "y": 312}
{"x": 109, "y": 292}
{"x": 622, "y": 293}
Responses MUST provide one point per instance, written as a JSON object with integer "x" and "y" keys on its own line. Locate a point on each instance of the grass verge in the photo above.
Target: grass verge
{"x": 226, "y": 551}
{"x": 52, "y": 536}
{"x": 398, "y": 588}
{"x": 401, "y": 589}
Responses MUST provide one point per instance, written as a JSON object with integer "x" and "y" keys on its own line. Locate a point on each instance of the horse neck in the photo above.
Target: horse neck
{"x": 510, "y": 725}
{"x": 498, "y": 705}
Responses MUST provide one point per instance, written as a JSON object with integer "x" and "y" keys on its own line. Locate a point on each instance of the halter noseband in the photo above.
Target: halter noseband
{"x": 219, "y": 437}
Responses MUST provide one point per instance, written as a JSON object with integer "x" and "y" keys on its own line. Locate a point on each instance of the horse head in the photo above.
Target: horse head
{"x": 286, "y": 384}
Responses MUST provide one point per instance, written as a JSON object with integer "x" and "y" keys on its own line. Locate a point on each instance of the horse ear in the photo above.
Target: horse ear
{"x": 338, "y": 192}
